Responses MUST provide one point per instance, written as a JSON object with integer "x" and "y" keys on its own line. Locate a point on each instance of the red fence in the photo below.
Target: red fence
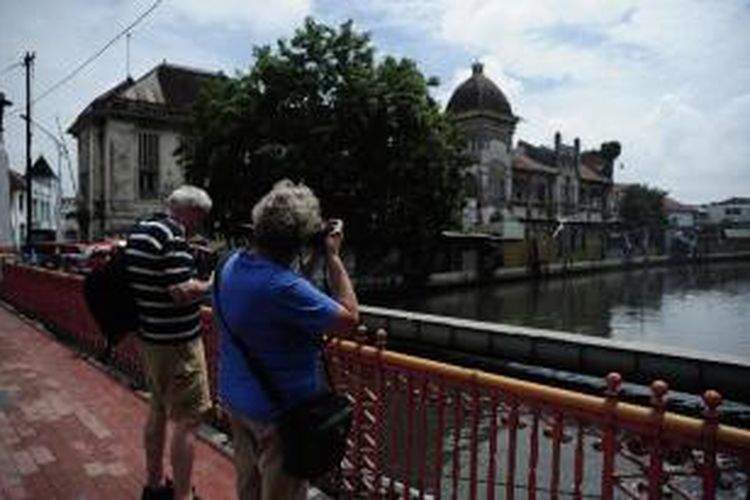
{"x": 430, "y": 430}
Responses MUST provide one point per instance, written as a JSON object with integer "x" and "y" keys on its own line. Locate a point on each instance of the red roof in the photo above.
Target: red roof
{"x": 672, "y": 205}
{"x": 525, "y": 163}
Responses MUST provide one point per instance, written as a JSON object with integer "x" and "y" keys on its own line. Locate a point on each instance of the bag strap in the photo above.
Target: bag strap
{"x": 251, "y": 361}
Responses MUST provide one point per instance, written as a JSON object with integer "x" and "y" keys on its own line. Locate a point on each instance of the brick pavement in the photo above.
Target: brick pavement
{"x": 69, "y": 431}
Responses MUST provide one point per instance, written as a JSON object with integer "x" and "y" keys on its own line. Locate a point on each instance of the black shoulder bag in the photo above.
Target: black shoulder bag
{"x": 313, "y": 432}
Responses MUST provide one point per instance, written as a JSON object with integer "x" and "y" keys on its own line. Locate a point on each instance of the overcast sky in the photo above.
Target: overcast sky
{"x": 669, "y": 79}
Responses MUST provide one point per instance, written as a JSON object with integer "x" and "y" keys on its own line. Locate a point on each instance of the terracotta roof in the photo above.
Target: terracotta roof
{"x": 524, "y": 162}
{"x": 589, "y": 173}
{"x": 672, "y": 205}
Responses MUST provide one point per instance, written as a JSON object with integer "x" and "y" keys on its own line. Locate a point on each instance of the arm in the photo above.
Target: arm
{"x": 347, "y": 318}
{"x": 190, "y": 290}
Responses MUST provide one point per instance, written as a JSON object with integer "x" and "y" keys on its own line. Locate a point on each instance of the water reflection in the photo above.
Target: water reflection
{"x": 695, "y": 307}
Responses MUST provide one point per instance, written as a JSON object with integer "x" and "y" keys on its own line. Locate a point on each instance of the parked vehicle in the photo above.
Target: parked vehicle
{"x": 86, "y": 257}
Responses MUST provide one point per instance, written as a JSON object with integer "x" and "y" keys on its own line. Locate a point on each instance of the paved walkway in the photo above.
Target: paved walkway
{"x": 69, "y": 431}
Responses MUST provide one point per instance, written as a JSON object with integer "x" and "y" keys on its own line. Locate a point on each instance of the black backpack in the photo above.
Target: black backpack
{"x": 110, "y": 299}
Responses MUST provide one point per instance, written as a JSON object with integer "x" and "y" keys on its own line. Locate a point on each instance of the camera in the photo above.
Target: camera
{"x": 330, "y": 226}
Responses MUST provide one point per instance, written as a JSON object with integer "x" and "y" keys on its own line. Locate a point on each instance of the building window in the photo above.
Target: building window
{"x": 732, "y": 211}
{"x": 20, "y": 202}
{"x": 148, "y": 165}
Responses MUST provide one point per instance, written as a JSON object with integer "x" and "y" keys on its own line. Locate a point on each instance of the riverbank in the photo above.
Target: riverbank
{"x": 551, "y": 270}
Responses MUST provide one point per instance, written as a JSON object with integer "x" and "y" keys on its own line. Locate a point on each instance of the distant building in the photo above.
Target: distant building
{"x": 45, "y": 201}
{"x": 17, "y": 207}
{"x": 483, "y": 113}
{"x": 730, "y": 211}
{"x": 679, "y": 215}
{"x": 69, "y": 230}
{"x": 45, "y": 204}
{"x": 530, "y": 192}
{"x": 6, "y": 236}
{"x": 127, "y": 138}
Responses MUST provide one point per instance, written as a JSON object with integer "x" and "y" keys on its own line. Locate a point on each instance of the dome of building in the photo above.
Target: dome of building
{"x": 479, "y": 93}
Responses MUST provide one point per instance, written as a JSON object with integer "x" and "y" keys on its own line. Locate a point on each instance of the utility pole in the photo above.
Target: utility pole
{"x": 28, "y": 62}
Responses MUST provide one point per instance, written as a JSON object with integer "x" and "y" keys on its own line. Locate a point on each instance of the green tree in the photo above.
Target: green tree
{"x": 363, "y": 133}
{"x": 641, "y": 207}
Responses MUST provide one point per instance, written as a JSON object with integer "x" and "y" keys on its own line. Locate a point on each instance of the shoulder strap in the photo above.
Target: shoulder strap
{"x": 254, "y": 364}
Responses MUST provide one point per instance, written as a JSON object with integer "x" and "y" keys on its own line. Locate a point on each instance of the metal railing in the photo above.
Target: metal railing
{"x": 424, "y": 429}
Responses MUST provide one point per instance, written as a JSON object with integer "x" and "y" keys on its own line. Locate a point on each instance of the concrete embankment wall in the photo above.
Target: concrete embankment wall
{"x": 459, "y": 278}
{"x": 684, "y": 370}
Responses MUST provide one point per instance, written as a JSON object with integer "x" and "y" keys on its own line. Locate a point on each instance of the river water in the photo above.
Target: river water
{"x": 703, "y": 308}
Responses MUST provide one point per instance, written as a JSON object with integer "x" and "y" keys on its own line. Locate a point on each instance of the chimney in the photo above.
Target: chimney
{"x": 577, "y": 147}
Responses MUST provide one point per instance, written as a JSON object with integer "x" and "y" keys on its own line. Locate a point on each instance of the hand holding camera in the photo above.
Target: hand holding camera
{"x": 334, "y": 235}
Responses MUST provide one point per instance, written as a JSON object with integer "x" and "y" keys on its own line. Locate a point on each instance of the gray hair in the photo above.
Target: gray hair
{"x": 286, "y": 218}
{"x": 190, "y": 197}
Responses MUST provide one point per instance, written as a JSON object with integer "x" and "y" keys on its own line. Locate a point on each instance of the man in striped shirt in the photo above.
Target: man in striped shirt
{"x": 168, "y": 295}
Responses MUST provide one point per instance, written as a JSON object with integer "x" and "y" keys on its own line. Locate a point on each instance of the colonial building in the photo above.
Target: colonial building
{"x": 17, "y": 211}
{"x": 6, "y": 236}
{"x": 45, "y": 201}
{"x": 45, "y": 204}
{"x": 127, "y": 139}
{"x": 484, "y": 115}
{"x": 559, "y": 198}
{"x": 732, "y": 211}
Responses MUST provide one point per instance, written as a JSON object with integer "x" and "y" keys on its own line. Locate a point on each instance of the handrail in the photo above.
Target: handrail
{"x": 731, "y": 437}
{"x": 423, "y": 428}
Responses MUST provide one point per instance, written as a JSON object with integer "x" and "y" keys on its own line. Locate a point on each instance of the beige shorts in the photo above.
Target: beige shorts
{"x": 258, "y": 461}
{"x": 177, "y": 378}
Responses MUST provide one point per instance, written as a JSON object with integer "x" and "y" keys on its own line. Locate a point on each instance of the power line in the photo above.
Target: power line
{"x": 98, "y": 53}
{"x": 11, "y": 67}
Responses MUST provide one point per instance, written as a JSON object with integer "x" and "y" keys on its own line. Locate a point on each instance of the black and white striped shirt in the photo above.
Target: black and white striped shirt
{"x": 157, "y": 257}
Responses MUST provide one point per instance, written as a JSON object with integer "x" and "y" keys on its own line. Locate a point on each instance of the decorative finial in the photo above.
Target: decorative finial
{"x": 477, "y": 68}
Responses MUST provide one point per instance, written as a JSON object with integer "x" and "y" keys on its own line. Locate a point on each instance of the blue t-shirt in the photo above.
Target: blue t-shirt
{"x": 280, "y": 317}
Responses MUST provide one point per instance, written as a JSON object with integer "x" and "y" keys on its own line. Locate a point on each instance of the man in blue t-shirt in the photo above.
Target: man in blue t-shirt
{"x": 279, "y": 316}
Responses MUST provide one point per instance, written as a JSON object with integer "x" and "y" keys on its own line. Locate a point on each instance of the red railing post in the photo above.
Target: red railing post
{"x": 360, "y": 338}
{"x": 380, "y": 342}
{"x": 712, "y": 400}
{"x": 492, "y": 467}
{"x": 439, "y": 440}
{"x": 476, "y": 411}
{"x": 659, "y": 390}
{"x": 510, "y": 473}
{"x": 557, "y": 436}
{"x": 533, "y": 453}
{"x": 458, "y": 403}
{"x": 614, "y": 380}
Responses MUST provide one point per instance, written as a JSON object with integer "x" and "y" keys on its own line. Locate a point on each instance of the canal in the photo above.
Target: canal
{"x": 703, "y": 307}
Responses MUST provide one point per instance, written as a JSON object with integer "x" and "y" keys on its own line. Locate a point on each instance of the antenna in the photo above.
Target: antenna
{"x": 63, "y": 145}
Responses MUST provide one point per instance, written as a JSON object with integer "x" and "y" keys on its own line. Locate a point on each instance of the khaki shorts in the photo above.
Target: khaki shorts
{"x": 258, "y": 460}
{"x": 178, "y": 378}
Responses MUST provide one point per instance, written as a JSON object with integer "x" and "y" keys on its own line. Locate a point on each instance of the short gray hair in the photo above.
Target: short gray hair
{"x": 286, "y": 218}
{"x": 190, "y": 197}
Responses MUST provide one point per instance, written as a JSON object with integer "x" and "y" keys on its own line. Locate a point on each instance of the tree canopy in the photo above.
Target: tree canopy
{"x": 641, "y": 207}
{"x": 362, "y": 131}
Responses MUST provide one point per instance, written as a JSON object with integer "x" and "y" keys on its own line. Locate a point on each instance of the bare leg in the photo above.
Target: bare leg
{"x": 153, "y": 442}
{"x": 182, "y": 452}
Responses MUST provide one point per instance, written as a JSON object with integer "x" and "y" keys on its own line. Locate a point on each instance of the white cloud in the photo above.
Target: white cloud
{"x": 215, "y": 35}
{"x": 258, "y": 16}
{"x": 669, "y": 79}
{"x": 666, "y": 78}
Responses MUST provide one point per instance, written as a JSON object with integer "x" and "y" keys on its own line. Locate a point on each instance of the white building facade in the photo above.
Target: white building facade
{"x": 127, "y": 139}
